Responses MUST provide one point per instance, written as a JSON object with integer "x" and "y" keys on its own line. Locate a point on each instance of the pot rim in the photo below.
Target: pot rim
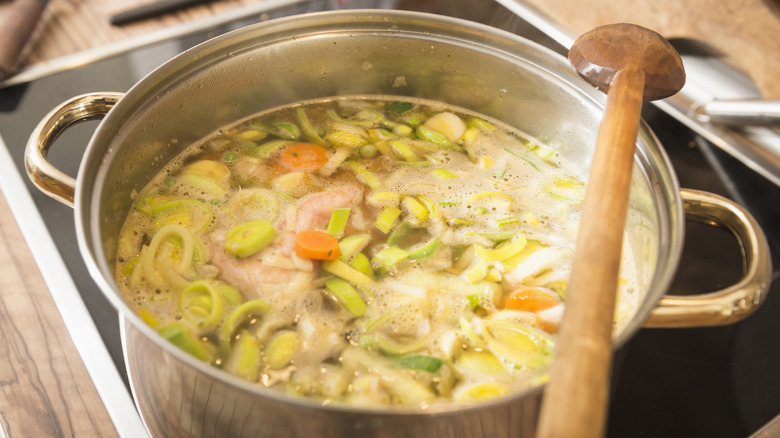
{"x": 392, "y": 23}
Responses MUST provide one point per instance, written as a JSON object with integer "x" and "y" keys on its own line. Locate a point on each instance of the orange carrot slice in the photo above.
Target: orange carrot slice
{"x": 531, "y": 299}
{"x": 317, "y": 245}
{"x": 305, "y": 157}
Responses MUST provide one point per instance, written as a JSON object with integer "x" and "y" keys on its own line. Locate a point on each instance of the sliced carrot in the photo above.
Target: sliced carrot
{"x": 317, "y": 245}
{"x": 306, "y": 157}
{"x": 531, "y": 299}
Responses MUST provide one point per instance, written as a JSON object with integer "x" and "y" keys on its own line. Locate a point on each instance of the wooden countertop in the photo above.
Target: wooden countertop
{"x": 46, "y": 390}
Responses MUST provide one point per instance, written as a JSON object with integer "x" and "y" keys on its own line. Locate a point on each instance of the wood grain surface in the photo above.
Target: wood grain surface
{"x": 746, "y": 32}
{"x": 45, "y": 390}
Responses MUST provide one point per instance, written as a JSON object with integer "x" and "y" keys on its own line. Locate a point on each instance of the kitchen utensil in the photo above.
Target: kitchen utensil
{"x": 630, "y": 63}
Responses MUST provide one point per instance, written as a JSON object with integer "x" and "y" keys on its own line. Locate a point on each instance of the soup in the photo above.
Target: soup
{"x": 367, "y": 251}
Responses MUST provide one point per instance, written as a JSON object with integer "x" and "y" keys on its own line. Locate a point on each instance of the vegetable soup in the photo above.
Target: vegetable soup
{"x": 367, "y": 251}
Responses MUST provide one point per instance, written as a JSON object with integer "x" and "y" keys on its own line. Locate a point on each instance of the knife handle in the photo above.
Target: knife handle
{"x": 15, "y": 32}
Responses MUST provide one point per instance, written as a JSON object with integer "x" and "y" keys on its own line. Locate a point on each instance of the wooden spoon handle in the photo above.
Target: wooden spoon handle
{"x": 575, "y": 400}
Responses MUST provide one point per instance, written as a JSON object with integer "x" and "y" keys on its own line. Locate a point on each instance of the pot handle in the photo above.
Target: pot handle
{"x": 735, "y": 302}
{"x": 43, "y": 174}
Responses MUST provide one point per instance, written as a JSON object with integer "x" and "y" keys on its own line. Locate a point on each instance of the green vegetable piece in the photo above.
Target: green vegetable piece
{"x": 269, "y": 149}
{"x": 347, "y": 295}
{"x": 387, "y": 258}
{"x": 424, "y": 251}
{"x": 179, "y": 337}
{"x": 201, "y": 304}
{"x": 568, "y": 189}
{"x": 192, "y": 214}
{"x": 364, "y": 174}
{"x": 281, "y": 349}
{"x": 350, "y": 246}
{"x": 436, "y": 138}
{"x": 245, "y": 358}
{"x": 248, "y": 238}
{"x": 338, "y": 222}
{"x": 286, "y": 130}
{"x": 361, "y": 263}
{"x": 387, "y": 218}
{"x": 503, "y": 250}
{"x": 308, "y": 130}
{"x": 343, "y": 270}
{"x": 246, "y": 311}
{"x": 399, "y": 234}
{"x": 403, "y": 150}
{"x": 421, "y": 362}
{"x": 399, "y": 107}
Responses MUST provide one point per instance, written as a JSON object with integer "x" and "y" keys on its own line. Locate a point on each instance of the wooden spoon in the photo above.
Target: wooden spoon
{"x": 629, "y": 63}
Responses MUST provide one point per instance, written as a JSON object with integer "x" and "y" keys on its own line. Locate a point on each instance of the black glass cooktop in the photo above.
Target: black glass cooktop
{"x": 701, "y": 382}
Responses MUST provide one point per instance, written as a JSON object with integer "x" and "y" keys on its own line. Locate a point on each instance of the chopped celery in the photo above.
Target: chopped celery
{"x": 248, "y": 238}
{"x": 281, "y": 348}
{"x": 568, "y": 189}
{"x": 345, "y": 135}
{"x": 308, "y": 131}
{"x": 443, "y": 174}
{"x": 387, "y": 258}
{"x": 364, "y": 174}
{"x": 245, "y": 359}
{"x": 387, "y": 218}
{"x": 203, "y": 183}
{"x": 481, "y": 361}
{"x": 179, "y": 337}
{"x": 205, "y": 314}
{"x": 399, "y": 234}
{"x": 338, "y": 222}
{"x": 490, "y": 198}
{"x": 402, "y": 386}
{"x": 394, "y": 348}
{"x": 476, "y": 272}
{"x": 257, "y": 203}
{"x": 361, "y": 263}
{"x": 506, "y": 221}
{"x": 230, "y": 294}
{"x": 343, "y": 270}
{"x": 421, "y": 362}
{"x": 518, "y": 344}
{"x": 377, "y": 134}
{"x": 475, "y": 122}
{"x": 546, "y": 153}
{"x": 479, "y": 391}
{"x": 403, "y": 151}
{"x": 431, "y": 206}
{"x": 415, "y": 210}
{"x": 246, "y": 311}
{"x": 352, "y": 245}
{"x": 384, "y": 199}
{"x": 347, "y": 295}
{"x": 503, "y": 250}
{"x": 285, "y": 130}
{"x": 369, "y": 151}
{"x": 192, "y": 214}
{"x": 435, "y": 138}
{"x": 424, "y": 251}
{"x": 269, "y": 149}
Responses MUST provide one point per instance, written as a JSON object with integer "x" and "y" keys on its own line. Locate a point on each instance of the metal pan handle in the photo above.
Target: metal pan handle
{"x": 733, "y": 303}
{"x": 43, "y": 174}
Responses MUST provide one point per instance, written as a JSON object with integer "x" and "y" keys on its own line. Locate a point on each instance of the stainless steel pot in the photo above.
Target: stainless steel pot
{"x": 361, "y": 52}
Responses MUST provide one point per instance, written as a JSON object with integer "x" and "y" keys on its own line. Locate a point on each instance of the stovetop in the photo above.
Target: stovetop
{"x": 700, "y": 382}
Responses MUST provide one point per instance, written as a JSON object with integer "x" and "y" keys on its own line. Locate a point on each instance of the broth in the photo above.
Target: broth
{"x": 368, "y": 251}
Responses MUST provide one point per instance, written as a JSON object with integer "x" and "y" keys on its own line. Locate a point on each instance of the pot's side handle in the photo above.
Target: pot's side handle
{"x": 732, "y": 303}
{"x": 43, "y": 174}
